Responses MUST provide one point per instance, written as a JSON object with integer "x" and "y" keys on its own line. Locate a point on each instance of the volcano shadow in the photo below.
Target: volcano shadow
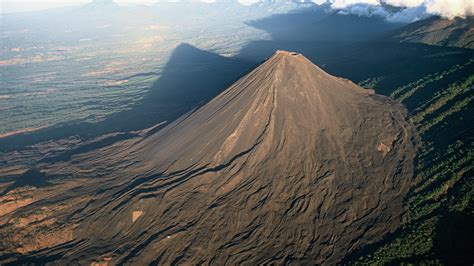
{"x": 323, "y": 24}
{"x": 394, "y": 64}
{"x": 353, "y": 47}
{"x": 190, "y": 79}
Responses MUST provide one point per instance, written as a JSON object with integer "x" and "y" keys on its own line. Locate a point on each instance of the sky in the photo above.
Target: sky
{"x": 446, "y": 8}
{"x": 9, "y": 6}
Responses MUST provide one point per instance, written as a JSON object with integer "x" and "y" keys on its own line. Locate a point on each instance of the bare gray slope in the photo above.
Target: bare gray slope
{"x": 290, "y": 164}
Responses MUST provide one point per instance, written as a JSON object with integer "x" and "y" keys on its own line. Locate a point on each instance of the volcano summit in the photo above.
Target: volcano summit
{"x": 289, "y": 164}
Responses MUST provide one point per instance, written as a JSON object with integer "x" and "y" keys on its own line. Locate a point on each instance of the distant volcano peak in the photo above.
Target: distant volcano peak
{"x": 101, "y": 5}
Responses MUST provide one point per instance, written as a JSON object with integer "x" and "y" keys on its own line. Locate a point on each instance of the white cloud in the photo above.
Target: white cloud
{"x": 405, "y": 3}
{"x": 409, "y": 14}
{"x": 346, "y": 3}
{"x": 248, "y": 2}
{"x": 412, "y": 9}
{"x": 451, "y": 8}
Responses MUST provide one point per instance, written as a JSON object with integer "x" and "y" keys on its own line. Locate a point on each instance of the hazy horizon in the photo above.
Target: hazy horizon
{"x": 16, "y": 6}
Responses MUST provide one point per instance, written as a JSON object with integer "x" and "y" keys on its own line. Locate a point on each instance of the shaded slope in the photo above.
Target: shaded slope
{"x": 456, "y": 32}
{"x": 290, "y": 164}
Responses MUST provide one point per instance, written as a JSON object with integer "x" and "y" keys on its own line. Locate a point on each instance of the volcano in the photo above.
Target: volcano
{"x": 289, "y": 164}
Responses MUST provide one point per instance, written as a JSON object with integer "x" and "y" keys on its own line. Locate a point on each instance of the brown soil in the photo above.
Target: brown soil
{"x": 289, "y": 164}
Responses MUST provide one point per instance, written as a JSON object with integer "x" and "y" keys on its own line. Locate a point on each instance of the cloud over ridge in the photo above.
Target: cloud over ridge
{"x": 445, "y": 8}
{"x": 411, "y": 10}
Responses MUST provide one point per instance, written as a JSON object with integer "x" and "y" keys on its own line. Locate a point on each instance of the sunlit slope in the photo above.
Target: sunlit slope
{"x": 288, "y": 164}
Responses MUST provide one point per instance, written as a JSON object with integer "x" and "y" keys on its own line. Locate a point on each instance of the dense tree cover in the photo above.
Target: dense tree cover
{"x": 438, "y": 224}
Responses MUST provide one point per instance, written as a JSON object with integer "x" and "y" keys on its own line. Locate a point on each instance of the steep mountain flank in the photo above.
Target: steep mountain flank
{"x": 289, "y": 164}
{"x": 456, "y": 32}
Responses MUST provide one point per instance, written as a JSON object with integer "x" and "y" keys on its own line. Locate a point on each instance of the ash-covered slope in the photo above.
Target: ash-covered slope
{"x": 290, "y": 164}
